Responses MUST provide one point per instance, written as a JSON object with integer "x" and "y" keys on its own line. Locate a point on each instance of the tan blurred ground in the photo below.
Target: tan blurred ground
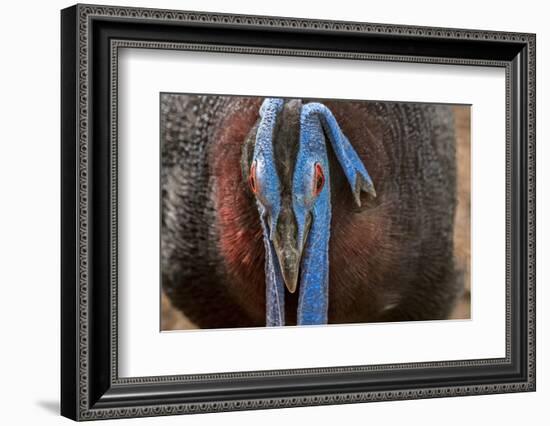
{"x": 172, "y": 319}
{"x": 462, "y": 217}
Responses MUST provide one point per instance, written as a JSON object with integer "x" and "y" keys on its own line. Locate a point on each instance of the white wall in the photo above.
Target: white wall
{"x": 29, "y": 225}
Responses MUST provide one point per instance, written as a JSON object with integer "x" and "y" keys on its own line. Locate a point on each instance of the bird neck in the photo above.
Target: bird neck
{"x": 274, "y": 283}
{"x": 313, "y": 300}
{"x": 314, "y": 269}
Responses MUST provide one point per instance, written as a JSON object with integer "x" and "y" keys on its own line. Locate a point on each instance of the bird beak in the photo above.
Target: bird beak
{"x": 290, "y": 268}
{"x": 289, "y": 249}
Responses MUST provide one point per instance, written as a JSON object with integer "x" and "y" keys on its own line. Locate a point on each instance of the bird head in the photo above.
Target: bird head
{"x": 285, "y": 162}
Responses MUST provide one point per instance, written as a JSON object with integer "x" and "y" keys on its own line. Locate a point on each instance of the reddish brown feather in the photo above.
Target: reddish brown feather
{"x": 241, "y": 242}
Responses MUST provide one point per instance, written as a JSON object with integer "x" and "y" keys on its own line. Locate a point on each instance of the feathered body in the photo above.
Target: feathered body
{"x": 390, "y": 260}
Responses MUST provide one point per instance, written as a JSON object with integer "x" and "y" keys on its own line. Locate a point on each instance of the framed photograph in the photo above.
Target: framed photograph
{"x": 263, "y": 212}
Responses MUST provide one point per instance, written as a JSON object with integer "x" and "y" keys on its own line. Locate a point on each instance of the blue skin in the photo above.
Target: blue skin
{"x": 314, "y": 118}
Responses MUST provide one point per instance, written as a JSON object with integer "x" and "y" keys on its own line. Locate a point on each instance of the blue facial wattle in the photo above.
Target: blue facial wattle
{"x": 269, "y": 206}
{"x": 310, "y": 207}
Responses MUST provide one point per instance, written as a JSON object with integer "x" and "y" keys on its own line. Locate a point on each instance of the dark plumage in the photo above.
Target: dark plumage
{"x": 390, "y": 260}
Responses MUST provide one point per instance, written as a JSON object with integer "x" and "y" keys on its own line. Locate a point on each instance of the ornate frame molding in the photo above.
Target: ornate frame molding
{"x": 79, "y": 21}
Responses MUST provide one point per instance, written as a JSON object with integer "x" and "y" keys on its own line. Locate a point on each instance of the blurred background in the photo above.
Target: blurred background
{"x": 173, "y": 319}
{"x": 462, "y": 217}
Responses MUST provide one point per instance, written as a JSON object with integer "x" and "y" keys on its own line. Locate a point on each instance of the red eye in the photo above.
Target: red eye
{"x": 318, "y": 180}
{"x": 252, "y": 178}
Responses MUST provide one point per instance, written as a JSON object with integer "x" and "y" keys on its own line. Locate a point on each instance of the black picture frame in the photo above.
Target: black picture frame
{"x": 90, "y": 386}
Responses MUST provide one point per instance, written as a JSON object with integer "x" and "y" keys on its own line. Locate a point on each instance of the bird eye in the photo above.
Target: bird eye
{"x": 252, "y": 178}
{"x": 318, "y": 180}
